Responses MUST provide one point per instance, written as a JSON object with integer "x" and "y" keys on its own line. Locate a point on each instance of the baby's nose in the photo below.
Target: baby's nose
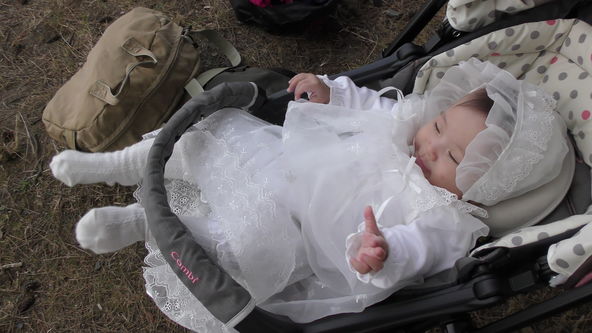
{"x": 435, "y": 149}
{"x": 431, "y": 153}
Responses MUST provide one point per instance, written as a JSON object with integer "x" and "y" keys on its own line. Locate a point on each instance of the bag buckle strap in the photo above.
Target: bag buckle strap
{"x": 187, "y": 36}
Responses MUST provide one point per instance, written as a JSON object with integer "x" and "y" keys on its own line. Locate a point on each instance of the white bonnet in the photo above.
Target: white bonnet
{"x": 524, "y": 143}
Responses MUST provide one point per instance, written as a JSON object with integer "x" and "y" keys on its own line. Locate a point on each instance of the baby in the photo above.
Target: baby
{"x": 279, "y": 208}
{"x": 439, "y": 146}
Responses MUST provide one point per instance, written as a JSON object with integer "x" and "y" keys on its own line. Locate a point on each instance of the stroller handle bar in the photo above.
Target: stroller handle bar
{"x": 224, "y": 298}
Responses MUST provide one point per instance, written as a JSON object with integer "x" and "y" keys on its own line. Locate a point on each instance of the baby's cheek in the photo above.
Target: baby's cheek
{"x": 444, "y": 178}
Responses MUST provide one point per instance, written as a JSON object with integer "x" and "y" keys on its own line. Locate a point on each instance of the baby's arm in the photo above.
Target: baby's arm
{"x": 341, "y": 92}
{"x": 344, "y": 92}
{"x": 428, "y": 245}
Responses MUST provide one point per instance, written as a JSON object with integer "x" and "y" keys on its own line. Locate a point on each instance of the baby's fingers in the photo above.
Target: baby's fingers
{"x": 373, "y": 257}
{"x": 360, "y": 267}
{"x": 370, "y": 221}
{"x": 372, "y": 261}
{"x": 294, "y": 81}
{"x": 302, "y": 87}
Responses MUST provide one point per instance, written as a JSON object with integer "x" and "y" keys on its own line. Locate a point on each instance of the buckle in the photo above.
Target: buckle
{"x": 186, "y": 34}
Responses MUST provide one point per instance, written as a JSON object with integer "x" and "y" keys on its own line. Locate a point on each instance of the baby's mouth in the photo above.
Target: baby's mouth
{"x": 422, "y": 166}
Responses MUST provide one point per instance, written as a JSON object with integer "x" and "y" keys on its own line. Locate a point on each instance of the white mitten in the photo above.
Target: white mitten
{"x": 108, "y": 229}
{"x": 125, "y": 167}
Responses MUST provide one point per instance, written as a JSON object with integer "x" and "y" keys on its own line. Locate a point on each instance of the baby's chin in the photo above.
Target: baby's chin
{"x": 452, "y": 189}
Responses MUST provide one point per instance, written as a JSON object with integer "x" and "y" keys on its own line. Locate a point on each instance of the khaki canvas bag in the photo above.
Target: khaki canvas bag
{"x": 131, "y": 82}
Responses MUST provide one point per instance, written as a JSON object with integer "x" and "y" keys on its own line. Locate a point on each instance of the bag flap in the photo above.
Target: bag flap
{"x": 126, "y": 43}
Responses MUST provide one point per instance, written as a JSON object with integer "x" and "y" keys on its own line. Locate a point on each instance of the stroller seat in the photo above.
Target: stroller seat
{"x": 552, "y": 54}
{"x": 470, "y": 15}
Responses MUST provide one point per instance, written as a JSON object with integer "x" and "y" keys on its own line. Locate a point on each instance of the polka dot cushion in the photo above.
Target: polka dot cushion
{"x": 556, "y": 55}
{"x": 564, "y": 257}
{"x": 469, "y": 15}
{"x": 567, "y": 256}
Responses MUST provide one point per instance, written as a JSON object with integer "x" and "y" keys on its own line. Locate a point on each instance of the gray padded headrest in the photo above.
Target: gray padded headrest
{"x": 531, "y": 207}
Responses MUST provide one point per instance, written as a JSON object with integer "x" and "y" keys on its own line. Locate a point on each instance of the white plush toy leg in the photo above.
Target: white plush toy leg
{"x": 125, "y": 167}
{"x": 108, "y": 229}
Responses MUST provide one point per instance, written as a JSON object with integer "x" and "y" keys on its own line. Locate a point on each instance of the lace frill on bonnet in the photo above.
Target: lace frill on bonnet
{"x": 524, "y": 143}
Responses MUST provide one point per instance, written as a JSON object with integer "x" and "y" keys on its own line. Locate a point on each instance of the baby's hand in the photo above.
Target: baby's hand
{"x": 374, "y": 248}
{"x": 317, "y": 90}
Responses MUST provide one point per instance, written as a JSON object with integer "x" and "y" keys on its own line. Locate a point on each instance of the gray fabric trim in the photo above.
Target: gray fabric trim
{"x": 213, "y": 287}
{"x": 241, "y": 315}
{"x": 254, "y": 96}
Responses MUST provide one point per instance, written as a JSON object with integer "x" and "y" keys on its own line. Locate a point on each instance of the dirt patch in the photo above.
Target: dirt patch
{"x": 47, "y": 283}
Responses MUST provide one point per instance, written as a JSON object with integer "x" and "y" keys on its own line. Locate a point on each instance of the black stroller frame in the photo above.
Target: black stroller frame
{"x": 478, "y": 283}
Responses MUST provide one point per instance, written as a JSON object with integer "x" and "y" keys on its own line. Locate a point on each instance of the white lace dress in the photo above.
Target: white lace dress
{"x": 279, "y": 207}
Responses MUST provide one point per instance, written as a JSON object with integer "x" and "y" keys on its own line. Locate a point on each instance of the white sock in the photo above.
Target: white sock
{"x": 108, "y": 229}
{"x": 125, "y": 167}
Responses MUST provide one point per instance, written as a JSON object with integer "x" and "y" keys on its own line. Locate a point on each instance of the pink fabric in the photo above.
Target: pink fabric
{"x": 587, "y": 278}
{"x": 265, "y": 3}
{"x": 261, "y": 3}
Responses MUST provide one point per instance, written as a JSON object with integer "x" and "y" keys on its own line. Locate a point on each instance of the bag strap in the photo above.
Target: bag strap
{"x": 195, "y": 86}
{"x": 70, "y": 137}
{"x": 101, "y": 89}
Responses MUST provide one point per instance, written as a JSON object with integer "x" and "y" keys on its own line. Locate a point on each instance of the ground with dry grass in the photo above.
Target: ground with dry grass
{"x": 47, "y": 283}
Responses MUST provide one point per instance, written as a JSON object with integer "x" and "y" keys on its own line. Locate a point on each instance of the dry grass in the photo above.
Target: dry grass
{"x": 47, "y": 283}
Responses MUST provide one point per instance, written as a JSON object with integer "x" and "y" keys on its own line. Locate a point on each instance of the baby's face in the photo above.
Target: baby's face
{"x": 440, "y": 144}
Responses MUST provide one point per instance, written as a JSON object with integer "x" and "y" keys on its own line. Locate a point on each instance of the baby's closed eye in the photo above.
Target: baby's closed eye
{"x": 454, "y": 159}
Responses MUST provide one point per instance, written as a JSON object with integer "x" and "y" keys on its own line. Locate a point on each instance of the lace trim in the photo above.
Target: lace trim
{"x": 173, "y": 298}
{"x": 184, "y": 198}
{"x": 441, "y": 197}
{"x": 537, "y": 137}
{"x": 243, "y": 212}
{"x": 244, "y": 209}
{"x": 169, "y": 294}
{"x": 240, "y": 213}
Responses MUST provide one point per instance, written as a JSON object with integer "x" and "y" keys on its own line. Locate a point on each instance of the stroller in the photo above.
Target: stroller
{"x": 544, "y": 45}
